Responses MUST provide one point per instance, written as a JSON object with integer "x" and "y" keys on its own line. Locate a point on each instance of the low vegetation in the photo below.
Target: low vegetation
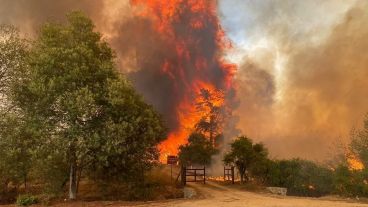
{"x": 26, "y": 200}
{"x": 198, "y": 151}
{"x": 303, "y": 177}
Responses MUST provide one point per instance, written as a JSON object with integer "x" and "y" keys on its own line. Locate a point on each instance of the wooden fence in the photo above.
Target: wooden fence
{"x": 229, "y": 174}
{"x": 197, "y": 175}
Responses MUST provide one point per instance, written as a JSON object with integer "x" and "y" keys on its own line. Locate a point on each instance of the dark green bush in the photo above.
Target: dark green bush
{"x": 350, "y": 182}
{"x": 26, "y": 200}
{"x": 300, "y": 177}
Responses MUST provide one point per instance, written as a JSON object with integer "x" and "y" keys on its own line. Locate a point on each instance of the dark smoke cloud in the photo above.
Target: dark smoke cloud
{"x": 143, "y": 52}
{"x": 140, "y": 49}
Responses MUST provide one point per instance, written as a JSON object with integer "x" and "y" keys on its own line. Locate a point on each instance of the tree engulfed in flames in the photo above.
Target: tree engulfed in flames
{"x": 192, "y": 29}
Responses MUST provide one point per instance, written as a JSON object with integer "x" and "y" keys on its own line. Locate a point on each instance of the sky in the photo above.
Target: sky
{"x": 302, "y": 72}
{"x": 302, "y": 64}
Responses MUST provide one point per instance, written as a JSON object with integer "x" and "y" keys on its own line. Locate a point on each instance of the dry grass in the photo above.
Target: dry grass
{"x": 158, "y": 186}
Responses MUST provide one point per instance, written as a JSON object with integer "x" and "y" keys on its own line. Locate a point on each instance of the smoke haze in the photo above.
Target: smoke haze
{"x": 303, "y": 65}
{"x": 303, "y": 74}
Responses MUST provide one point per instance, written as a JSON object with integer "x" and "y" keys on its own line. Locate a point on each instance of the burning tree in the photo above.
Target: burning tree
{"x": 210, "y": 104}
{"x": 359, "y": 146}
{"x": 186, "y": 41}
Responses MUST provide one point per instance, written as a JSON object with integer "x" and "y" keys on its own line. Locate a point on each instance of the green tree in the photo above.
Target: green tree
{"x": 13, "y": 50}
{"x": 90, "y": 115}
{"x": 199, "y": 150}
{"x": 245, "y": 155}
{"x": 17, "y": 144}
{"x": 131, "y": 133}
{"x": 359, "y": 143}
{"x": 16, "y": 141}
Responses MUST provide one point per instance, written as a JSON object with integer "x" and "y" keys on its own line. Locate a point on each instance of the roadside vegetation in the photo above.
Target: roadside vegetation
{"x": 303, "y": 177}
{"x": 68, "y": 115}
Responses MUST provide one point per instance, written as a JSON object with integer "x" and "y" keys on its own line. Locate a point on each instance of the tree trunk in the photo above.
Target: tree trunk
{"x": 79, "y": 177}
{"x": 72, "y": 172}
{"x": 5, "y": 188}
{"x": 25, "y": 182}
{"x": 211, "y": 132}
{"x": 242, "y": 175}
{"x": 212, "y": 140}
{"x": 73, "y": 181}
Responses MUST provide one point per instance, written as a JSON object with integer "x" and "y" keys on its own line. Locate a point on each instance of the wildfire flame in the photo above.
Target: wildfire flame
{"x": 354, "y": 162}
{"x": 192, "y": 29}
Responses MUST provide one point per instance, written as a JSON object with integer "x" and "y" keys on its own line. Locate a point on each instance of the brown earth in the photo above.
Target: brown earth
{"x": 213, "y": 194}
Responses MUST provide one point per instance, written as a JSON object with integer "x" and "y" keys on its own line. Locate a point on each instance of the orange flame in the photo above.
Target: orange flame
{"x": 354, "y": 162}
{"x": 193, "y": 28}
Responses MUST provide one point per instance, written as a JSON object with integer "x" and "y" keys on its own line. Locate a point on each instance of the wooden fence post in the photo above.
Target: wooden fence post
{"x": 195, "y": 175}
{"x": 224, "y": 173}
{"x": 232, "y": 175}
{"x": 183, "y": 175}
{"x": 204, "y": 174}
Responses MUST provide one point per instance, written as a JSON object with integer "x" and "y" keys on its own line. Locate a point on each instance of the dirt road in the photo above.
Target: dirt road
{"x": 215, "y": 195}
{"x": 218, "y": 195}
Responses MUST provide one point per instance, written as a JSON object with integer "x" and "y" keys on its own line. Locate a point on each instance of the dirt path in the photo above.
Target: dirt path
{"x": 215, "y": 195}
{"x": 218, "y": 195}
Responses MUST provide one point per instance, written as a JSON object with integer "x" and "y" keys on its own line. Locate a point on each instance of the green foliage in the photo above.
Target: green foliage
{"x": 13, "y": 51}
{"x": 16, "y": 141}
{"x": 300, "y": 177}
{"x": 51, "y": 168}
{"x": 199, "y": 150}
{"x": 245, "y": 156}
{"x": 87, "y": 117}
{"x": 359, "y": 144}
{"x": 17, "y": 145}
{"x": 15, "y": 137}
{"x": 349, "y": 182}
{"x": 263, "y": 170}
{"x": 26, "y": 200}
{"x": 303, "y": 178}
{"x": 132, "y": 132}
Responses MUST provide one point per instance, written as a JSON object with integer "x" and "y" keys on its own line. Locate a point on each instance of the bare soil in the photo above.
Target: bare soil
{"x": 213, "y": 194}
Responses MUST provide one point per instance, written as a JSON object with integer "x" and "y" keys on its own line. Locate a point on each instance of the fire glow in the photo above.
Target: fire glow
{"x": 353, "y": 162}
{"x": 191, "y": 29}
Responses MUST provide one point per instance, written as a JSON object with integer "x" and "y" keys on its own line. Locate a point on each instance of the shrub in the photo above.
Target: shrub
{"x": 26, "y": 200}
{"x": 349, "y": 182}
{"x": 301, "y": 177}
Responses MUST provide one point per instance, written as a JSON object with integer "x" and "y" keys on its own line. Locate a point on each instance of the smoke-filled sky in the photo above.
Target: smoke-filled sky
{"x": 303, "y": 71}
{"x": 302, "y": 65}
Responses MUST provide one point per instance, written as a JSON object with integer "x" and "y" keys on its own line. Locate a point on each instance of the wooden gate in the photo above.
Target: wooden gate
{"x": 229, "y": 174}
{"x": 196, "y": 175}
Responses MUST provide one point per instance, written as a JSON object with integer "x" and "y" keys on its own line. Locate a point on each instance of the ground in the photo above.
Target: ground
{"x": 213, "y": 194}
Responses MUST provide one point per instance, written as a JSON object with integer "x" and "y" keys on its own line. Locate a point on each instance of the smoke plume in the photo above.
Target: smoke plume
{"x": 302, "y": 75}
{"x": 303, "y": 86}
{"x": 169, "y": 50}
